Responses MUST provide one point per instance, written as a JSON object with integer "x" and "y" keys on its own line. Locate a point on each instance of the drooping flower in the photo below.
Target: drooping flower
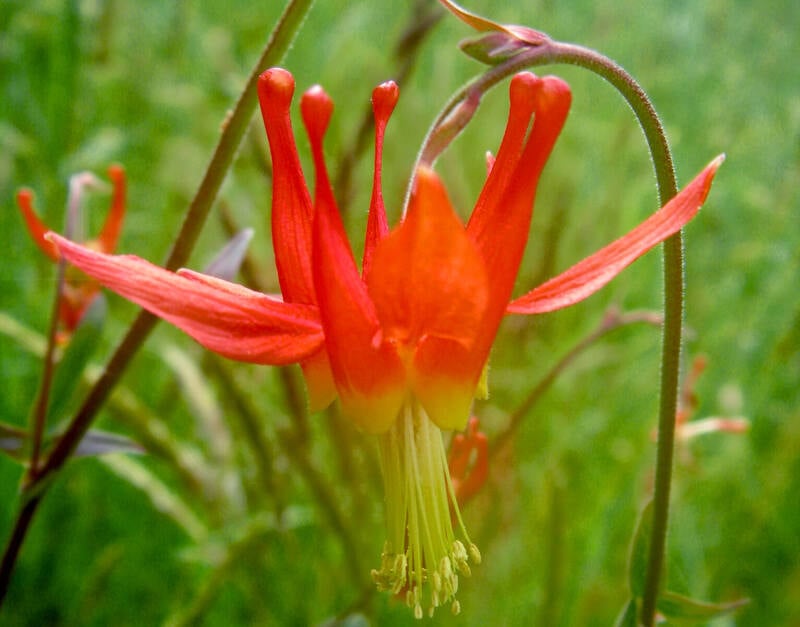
{"x": 404, "y": 341}
{"x": 79, "y": 290}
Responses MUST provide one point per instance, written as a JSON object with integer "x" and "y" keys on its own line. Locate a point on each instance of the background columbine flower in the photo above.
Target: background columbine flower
{"x": 403, "y": 342}
{"x": 79, "y": 290}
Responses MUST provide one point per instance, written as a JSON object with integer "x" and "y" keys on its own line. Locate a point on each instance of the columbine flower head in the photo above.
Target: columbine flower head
{"x": 79, "y": 290}
{"x": 403, "y": 341}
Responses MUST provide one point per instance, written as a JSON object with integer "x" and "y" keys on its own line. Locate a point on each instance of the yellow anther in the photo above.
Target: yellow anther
{"x": 474, "y": 553}
{"x": 421, "y": 558}
{"x": 445, "y": 567}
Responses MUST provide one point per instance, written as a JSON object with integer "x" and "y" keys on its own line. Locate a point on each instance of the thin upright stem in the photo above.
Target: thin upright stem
{"x": 40, "y": 411}
{"x": 232, "y": 132}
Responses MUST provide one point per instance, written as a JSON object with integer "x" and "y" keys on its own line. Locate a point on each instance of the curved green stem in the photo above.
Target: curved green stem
{"x": 673, "y": 299}
{"x": 236, "y": 124}
{"x": 454, "y": 117}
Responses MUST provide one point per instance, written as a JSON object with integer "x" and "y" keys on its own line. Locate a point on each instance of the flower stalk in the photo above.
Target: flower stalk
{"x": 547, "y": 51}
{"x": 422, "y": 557}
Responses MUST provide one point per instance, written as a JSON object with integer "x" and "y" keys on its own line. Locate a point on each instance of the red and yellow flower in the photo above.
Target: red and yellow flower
{"x": 79, "y": 290}
{"x": 402, "y": 343}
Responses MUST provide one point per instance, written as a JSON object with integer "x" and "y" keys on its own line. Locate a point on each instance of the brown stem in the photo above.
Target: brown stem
{"x": 40, "y": 412}
{"x": 21, "y": 525}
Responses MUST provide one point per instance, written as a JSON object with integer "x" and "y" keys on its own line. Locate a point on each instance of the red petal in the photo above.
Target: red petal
{"x": 522, "y": 93}
{"x": 587, "y": 276}
{"x": 384, "y": 99}
{"x": 36, "y": 227}
{"x": 292, "y": 221}
{"x": 430, "y": 290}
{"x": 428, "y": 278}
{"x": 320, "y": 386}
{"x": 459, "y": 457}
{"x": 109, "y": 235}
{"x": 368, "y": 373}
{"x": 444, "y": 377}
{"x": 292, "y": 212}
{"x": 226, "y": 318}
{"x": 501, "y": 220}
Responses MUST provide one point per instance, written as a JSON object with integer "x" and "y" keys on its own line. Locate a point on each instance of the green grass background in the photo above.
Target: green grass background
{"x": 147, "y": 84}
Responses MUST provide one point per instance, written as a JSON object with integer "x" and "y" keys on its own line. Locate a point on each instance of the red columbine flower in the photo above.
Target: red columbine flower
{"x": 403, "y": 342}
{"x": 79, "y": 290}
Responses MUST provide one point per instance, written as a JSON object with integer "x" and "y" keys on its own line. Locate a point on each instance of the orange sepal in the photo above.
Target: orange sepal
{"x": 427, "y": 277}
{"x": 226, "y": 318}
{"x": 430, "y": 290}
{"x": 587, "y": 276}
{"x": 443, "y": 378}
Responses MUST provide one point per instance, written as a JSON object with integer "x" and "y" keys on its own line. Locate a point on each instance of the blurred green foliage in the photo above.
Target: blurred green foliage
{"x": 189, "y": 532}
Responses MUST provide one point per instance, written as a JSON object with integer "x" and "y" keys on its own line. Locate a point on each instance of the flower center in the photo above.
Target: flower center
{"x": 421, "y": 557}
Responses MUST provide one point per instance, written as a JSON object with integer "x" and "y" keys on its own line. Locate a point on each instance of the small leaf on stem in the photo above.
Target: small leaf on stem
{"x": 640, "y": 547}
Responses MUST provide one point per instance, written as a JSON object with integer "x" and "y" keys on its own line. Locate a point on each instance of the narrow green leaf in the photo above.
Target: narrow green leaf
{"x": 685, "y": 611}
{"x": 81, "y": 347}
{"x": 28, "y": 339}
{"x": 627, "y": 617}
{"x": 640, "y": 547}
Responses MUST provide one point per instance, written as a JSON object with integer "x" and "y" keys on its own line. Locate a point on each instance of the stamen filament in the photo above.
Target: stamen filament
{"x": 421, "y": 555}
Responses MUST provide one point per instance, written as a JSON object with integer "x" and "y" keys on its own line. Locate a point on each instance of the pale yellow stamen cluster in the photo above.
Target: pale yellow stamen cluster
{"x": 422, "y": 559}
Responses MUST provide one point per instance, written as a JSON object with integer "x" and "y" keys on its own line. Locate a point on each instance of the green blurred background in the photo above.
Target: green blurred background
{"x": 189, "y": 534}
